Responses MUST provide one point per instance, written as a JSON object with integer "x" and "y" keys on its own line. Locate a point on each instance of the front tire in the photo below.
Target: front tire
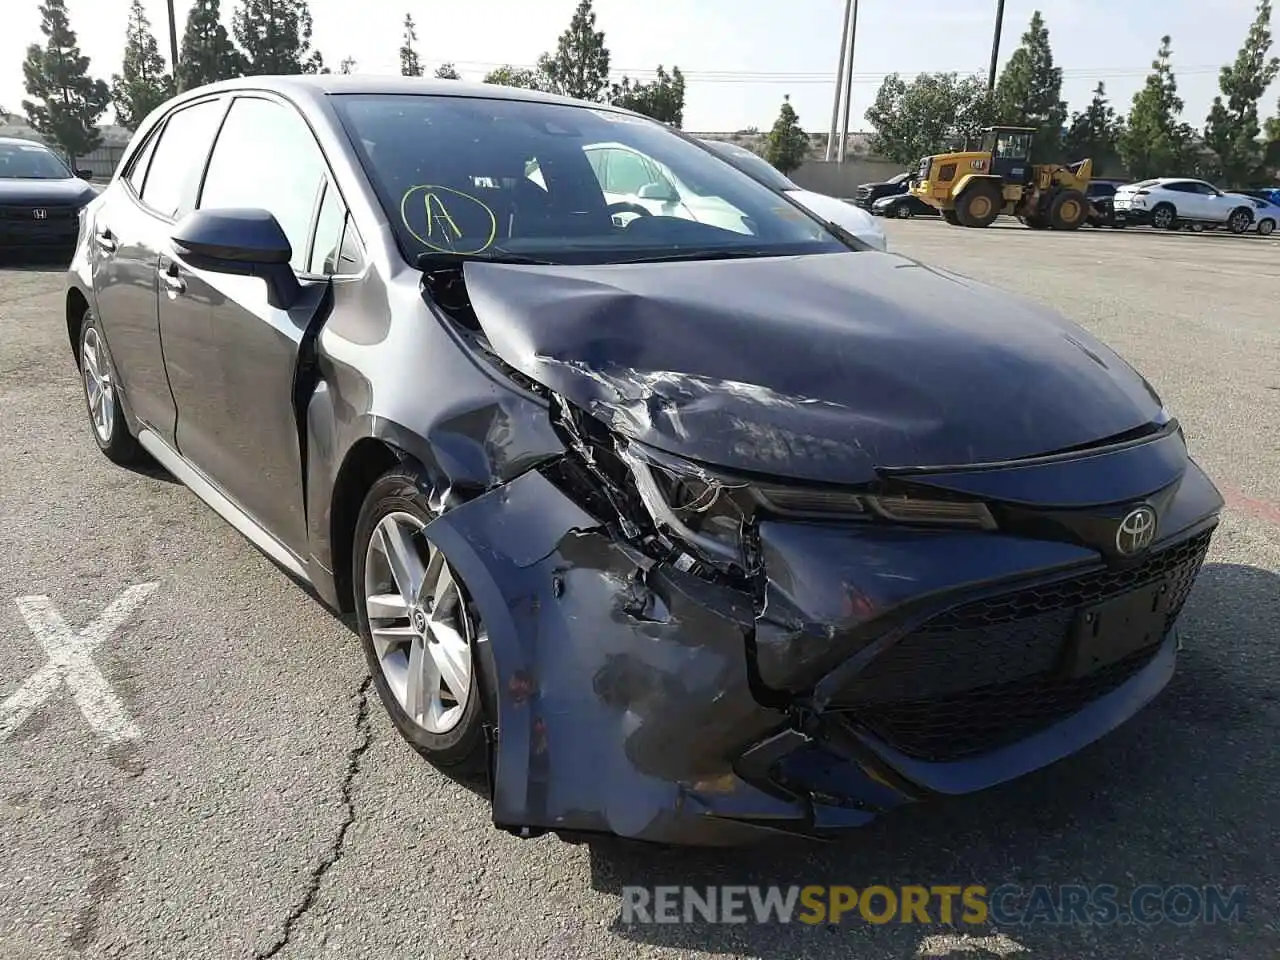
{"x": 903, "y": 211}
{"x": 979, "y": 206}
{"x": 1068, "y": 210}
{"x": 418, "y": 627}
{"x": 107, "y": 422}
{"x": 1240, "y": 220}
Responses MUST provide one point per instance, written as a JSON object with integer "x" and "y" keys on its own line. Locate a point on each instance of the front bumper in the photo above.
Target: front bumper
{"x": 1136, "y": 215}
{"x": 879, "y": 667}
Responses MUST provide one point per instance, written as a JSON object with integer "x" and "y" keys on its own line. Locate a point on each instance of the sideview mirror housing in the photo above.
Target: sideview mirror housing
{"x": 659, "y": 192}
{"x": 244, "y": 241}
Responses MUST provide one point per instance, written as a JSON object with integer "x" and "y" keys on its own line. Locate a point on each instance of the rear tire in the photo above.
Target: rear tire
{"x": 107, "y": 421}
{"x": 1164, "y": 217}
{"x": 428, "y": 628}
{"x": 951, "y": 218}
{"x": 1068, "y": 210}
{"x": 1035, "y": 222}
{"x": 979, "y": 206}
{"x": 1266, "y": 228}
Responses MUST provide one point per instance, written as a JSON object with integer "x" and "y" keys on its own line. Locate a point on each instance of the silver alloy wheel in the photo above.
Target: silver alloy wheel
{"x": 421, "y": 627}
{"x": 1162, "y": 218}
{"x": 98, "y": 388}
{"x": 904, "y": 211}
{"x": 1239, "y": 222}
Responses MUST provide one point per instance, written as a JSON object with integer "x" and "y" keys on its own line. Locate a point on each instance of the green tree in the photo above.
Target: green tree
{"x": 1232, "y": 127}
{"x": 66, "y": 102}
{"x": 1154, "y": 142}
{"x": 1029, "y": 92}
{"x": 580, "y": 66}
{"x": 410, "y": 63}
{"x": 447, "y": 71}
{"x": 932, "y": 113}
{"x": 1094, "y": 131}
{"x": 275, "y": 36}
{"x": 509, "y": 76}
{"x": 787, "y": 145}
{"x": 207, "y": 54}
{"x": 661, "y": 98}
{"x": 142, "y": 85}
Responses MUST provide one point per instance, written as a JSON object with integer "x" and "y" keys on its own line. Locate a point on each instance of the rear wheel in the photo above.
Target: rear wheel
{"x": 1068, "y": 210}
{"x": 102, "y": 398}
{"x": 1164, "y": 217}
{"x": 1266, "y": 227}
{"x": 951, "y": 218}
{"x": 979, "y": 206}
{"x": 419, "y": 627}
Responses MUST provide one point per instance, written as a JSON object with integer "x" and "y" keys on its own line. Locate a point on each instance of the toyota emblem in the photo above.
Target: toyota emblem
{"x": 40, "y": 214}
{"x": 1136, "y": 531}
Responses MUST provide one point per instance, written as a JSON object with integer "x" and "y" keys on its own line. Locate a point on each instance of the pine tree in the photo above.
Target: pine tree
{"x": 1155, "y": 143}
{"x": 207, "y": 54}
{"x": 348, "y": 65}
{"x": 661, "y": 98}
{"x": 787, "y": 145}
{"x": 447, "y": 71}
{"x": 1094, "y": 131}
{"x": 1233, "y": 126}
{"x": 67, "y": 101}
{"x": 410, "y": 65}
{"x": 1029, "y": 92}
{"x": 143, "y": 84}
{"x": 580, "y": 66}
{"x": 275, "y": 36}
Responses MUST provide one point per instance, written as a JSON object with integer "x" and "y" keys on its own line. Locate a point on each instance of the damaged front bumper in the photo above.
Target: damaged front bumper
{"x": 870, "y": 666}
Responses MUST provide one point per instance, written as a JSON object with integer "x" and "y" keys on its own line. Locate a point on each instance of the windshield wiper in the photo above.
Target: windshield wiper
{"x": 844, "y": 236}
{"x": 708, "y": 253}
{"x": 443, "y": 260}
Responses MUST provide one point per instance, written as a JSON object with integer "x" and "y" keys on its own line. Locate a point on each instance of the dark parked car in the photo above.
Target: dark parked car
{"x": 40, "y": 199}
{"x": 677, "y": 532}
{"x": 1269, "y": 194}
{"x": 1101, "y": 194}
{"x": 903, "y": 206}
{"x": 867, "y": 194}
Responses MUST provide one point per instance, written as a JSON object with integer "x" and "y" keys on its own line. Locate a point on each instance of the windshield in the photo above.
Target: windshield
{"x": 561, "y": 183}
{"x": 752, "y": 164}
{"x": 30, "y": 161}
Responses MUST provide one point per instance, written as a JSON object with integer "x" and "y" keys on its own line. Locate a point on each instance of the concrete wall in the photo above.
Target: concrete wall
{"x": 841, "y": 179}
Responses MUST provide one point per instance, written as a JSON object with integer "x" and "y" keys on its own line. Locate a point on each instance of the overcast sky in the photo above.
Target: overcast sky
{"x": 740, "y": 56}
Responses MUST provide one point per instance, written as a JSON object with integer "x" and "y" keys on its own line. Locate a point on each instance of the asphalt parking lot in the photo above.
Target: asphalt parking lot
{"x": 234, "y": 790}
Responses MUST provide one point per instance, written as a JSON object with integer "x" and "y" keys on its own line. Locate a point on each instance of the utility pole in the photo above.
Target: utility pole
{"x": 995, "y": 45}
{"x": 848, "y": 82}
{"x": 835, "y": 104}
{"x": 173, "y": 42}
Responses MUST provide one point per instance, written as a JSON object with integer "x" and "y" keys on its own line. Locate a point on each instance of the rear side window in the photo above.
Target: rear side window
{"x": 266, "y": 157}
{"x": 138, "y": 170}
{"x": 173, "y": 176}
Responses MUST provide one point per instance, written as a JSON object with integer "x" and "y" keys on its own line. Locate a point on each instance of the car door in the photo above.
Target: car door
{"x": 1216, "y": 205}
{"x": 231, "y": 357}
{"x": 129, "y": 231}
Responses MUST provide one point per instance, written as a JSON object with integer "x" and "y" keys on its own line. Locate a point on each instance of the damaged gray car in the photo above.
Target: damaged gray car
{"x": 696, "y": 524}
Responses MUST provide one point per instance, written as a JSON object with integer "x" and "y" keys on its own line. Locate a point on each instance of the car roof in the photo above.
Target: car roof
{"x": 318, "y": 86}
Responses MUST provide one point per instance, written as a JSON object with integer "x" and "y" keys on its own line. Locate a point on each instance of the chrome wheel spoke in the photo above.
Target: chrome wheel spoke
{"x": 452, "y": 656}
{"x": 388, "y": 641}
{"x": 422, "y": 692}
{"x": 406, "y": 565}
{"x": 386, "y": 606}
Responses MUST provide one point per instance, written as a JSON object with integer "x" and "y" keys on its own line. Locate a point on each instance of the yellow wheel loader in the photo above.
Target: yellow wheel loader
{"x": 972, "y": 188}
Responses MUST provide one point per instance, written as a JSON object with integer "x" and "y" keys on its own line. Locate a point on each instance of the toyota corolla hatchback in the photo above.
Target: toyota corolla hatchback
{"x": 684, "y": 531}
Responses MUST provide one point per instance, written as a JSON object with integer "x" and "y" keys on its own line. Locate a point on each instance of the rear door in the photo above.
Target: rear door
{"x": 130, "y": 229}
{"x": 231, "y": 357}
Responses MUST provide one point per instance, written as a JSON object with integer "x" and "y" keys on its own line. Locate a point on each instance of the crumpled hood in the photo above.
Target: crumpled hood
{"x": 821, "y": 367}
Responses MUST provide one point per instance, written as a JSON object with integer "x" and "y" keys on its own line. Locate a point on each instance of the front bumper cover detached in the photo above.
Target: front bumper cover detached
{"x": 636, "y": 699}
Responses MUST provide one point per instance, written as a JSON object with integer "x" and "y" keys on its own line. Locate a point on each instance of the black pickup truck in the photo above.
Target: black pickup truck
{"x": 868, "y": 193}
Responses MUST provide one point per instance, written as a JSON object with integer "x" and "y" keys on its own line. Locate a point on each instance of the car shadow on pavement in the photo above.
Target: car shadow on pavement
{"x": 1185, "y": 793}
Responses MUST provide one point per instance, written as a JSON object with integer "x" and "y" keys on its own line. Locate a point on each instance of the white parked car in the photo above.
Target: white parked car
{"x": 853, "y": 219}
{"x": 1170, "y": 202}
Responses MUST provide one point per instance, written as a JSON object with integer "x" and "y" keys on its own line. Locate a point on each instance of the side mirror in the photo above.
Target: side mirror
{"x": 661, "y": 192}
{"x": 248, "y": 242}
{"x": 84, "y": 174}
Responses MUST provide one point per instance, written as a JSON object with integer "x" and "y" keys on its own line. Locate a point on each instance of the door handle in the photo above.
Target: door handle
{"x": 105, "y": 239}
{"x": 171, "y": 276}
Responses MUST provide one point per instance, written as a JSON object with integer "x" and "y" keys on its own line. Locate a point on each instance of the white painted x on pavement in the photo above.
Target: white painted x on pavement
{"x": 70, "y": 663}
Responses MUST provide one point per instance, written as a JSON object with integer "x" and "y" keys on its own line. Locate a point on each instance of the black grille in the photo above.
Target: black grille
{"x": 987, "y": 673}
{"x": 26, "y": 213}
{"x": 862, "y": 193}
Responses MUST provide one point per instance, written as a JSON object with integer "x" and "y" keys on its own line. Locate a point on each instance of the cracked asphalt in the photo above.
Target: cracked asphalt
{"x": 268, "y": 809}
